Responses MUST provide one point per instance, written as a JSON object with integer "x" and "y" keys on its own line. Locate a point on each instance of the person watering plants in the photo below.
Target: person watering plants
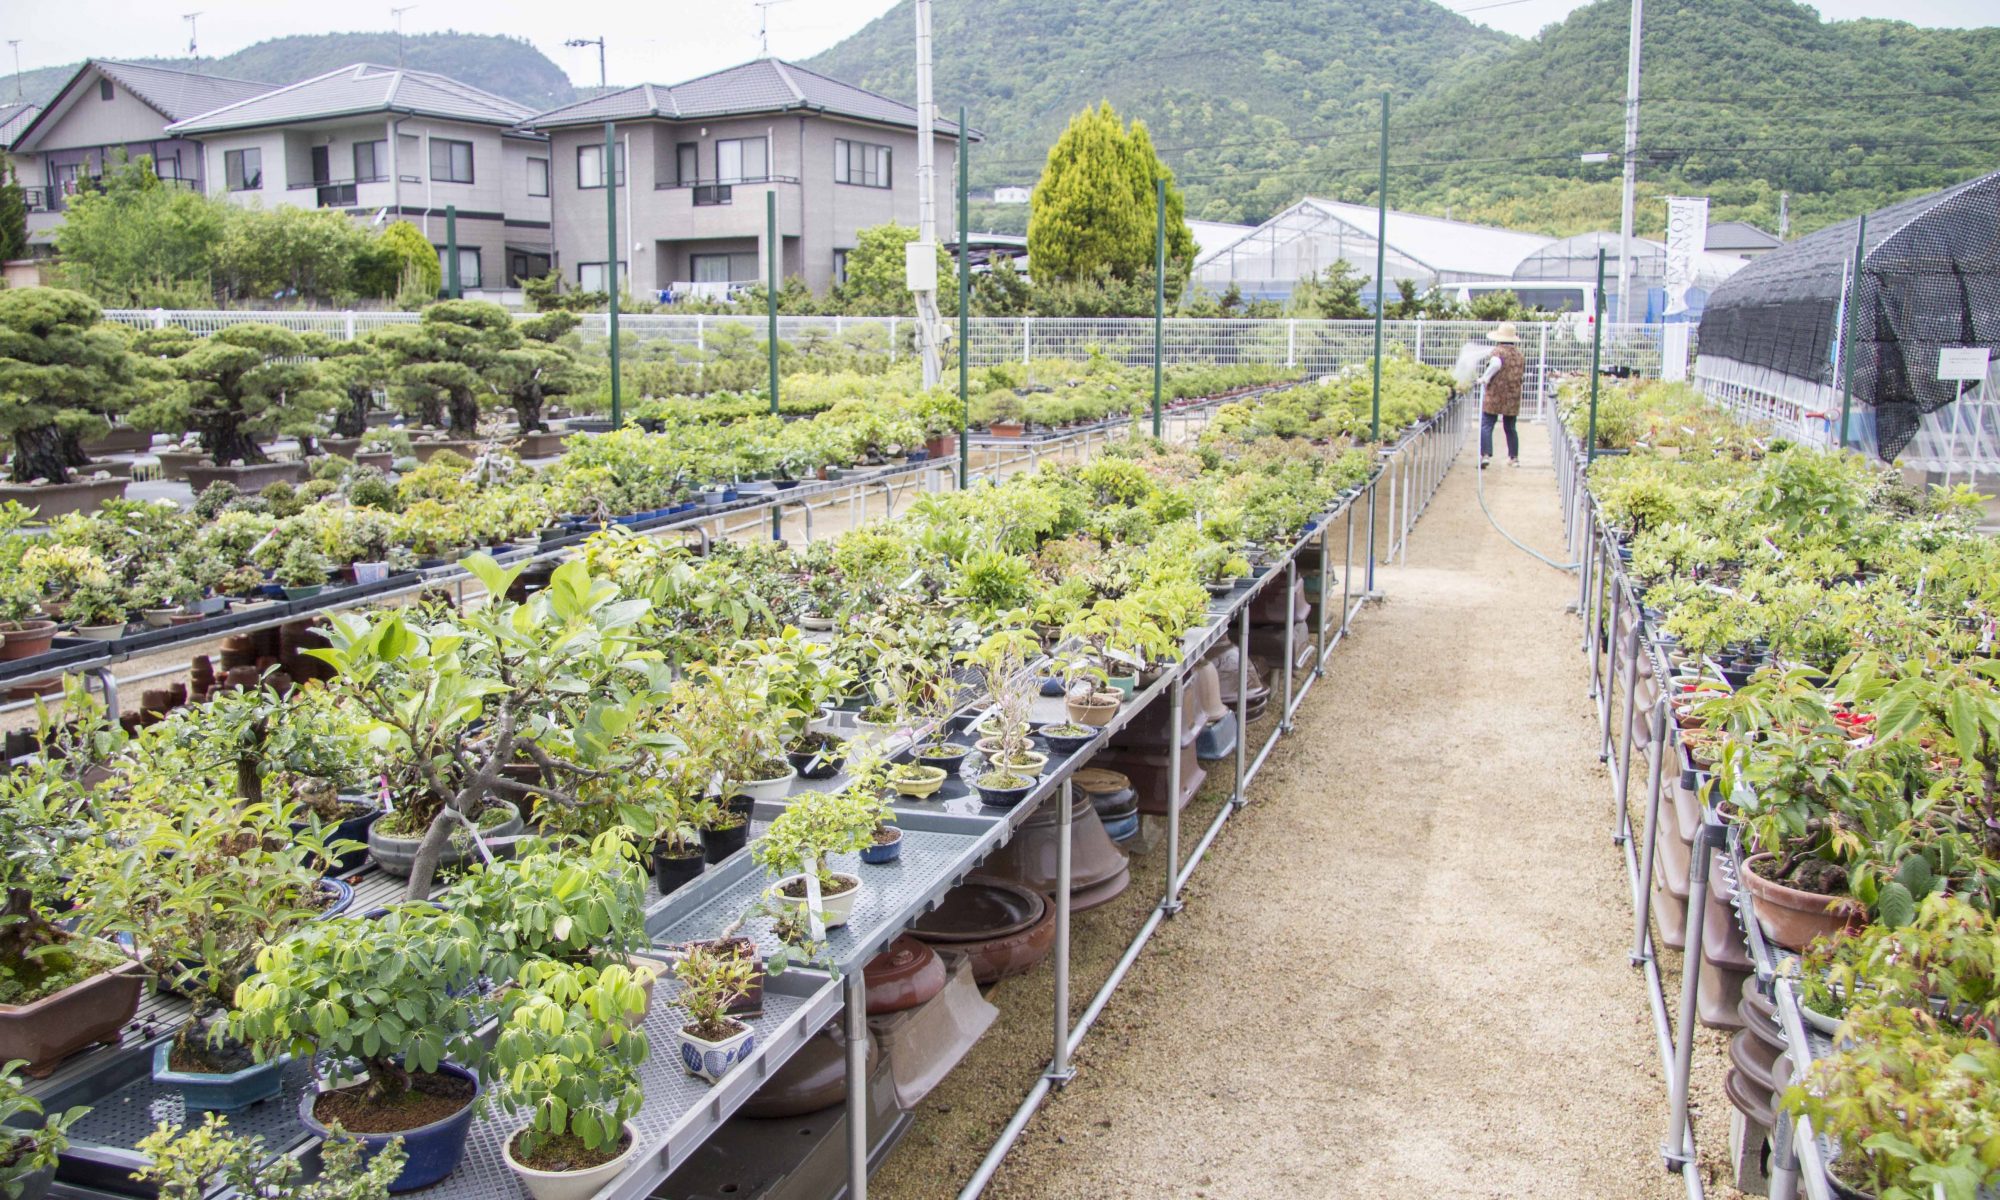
{"x": 1502, "y": 382}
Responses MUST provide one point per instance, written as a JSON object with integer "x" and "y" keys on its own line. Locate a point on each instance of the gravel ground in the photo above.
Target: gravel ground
{"x": 1402, "y": 971}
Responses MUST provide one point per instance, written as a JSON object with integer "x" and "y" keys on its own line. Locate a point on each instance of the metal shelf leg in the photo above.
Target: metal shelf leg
{"x": 855, "y": 986}
{"x": 1060, "y": 1072}
{"x": 1171, "y": 903}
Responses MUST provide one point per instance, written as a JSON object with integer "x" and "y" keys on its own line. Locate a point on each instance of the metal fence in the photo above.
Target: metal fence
{"x": 1312, "y": 346}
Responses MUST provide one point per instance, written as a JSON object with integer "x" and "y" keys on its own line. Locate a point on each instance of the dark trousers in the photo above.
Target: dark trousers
{"x": 1486, "y": 435}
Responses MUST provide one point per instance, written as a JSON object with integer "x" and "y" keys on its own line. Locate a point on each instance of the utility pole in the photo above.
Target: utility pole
{"x": 927, "y": 309}
{"x": 1631, "y": 168}
{"x": 598, "y": 42}
{"x": 398, "y": 14}
{"x": 964, "y": 305}
{"x": 611, "y": 265}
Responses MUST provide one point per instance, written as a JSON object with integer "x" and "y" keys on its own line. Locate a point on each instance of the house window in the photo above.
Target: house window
{"x": 243, "y": 170}
{"x": 538, "y": 177}
{"x": 840, "y": 268}
{"x": 742, "y": 160}
{"x": 590, "y": 276}
{"x": 687, "y": 163}
{"x": 468, "y": 267}
{"x": 451, "y": 162}
{"x": 590, "y": 165}
{"x": 104, "y": 91}
{"x": 371, "y": 161}
{"x": 864, "y": 164}
{"x": 522, "y": 264}
{"x": 710, "y": 268}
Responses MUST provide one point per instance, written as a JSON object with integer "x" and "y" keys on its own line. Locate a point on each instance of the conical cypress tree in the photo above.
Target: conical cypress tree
{"x": 1094, "y": 207}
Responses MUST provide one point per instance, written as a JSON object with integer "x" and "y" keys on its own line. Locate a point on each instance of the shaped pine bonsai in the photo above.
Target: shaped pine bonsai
{"x": 62, "y": 371}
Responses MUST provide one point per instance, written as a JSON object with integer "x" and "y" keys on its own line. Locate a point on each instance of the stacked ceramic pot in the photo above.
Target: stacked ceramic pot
{"x": 1218, "y": 720}
{"x": 1275, "y": 608}
{"x": 1758, "y": 1069}
{"x": 1098, "y": 869}
{"x": 1111, "y": 795}
{"x": 1226, "y": 660}
{"x": 1002, "y": 927}
{"x": 1142, "y": 752}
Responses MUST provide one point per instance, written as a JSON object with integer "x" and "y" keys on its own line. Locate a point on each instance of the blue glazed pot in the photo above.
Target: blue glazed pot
{"x": 884, "y": 852}
{"x": 433, "y": 1150}
{"x": 343, "y": 897}
{"x": 712, "y": 1060}
{"x": 227, "y": 1094}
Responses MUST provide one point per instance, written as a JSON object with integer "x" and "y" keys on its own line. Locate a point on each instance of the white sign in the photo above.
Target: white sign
{"x": 1963, "y": 364}
{"x": 1687, "y": 235}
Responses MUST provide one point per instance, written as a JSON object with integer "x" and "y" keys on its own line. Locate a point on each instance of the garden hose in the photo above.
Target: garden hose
{"x": 1479, "y": 483}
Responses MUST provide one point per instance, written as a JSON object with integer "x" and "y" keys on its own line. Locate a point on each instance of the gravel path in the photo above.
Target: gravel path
{"x": 1402, "y": 970}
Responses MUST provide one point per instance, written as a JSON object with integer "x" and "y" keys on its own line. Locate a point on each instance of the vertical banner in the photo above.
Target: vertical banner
{"x": 1687, "y": 234}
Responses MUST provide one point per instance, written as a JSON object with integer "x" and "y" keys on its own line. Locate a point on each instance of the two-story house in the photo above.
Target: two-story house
{"x": 108, "y": 109}
{"x": 694, "y": 161}
{"x": 381, "y": 143}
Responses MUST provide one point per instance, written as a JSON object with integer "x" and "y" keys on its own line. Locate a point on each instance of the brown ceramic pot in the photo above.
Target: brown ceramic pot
{"x": 812, "y": 1079}
{"x": 905, "y": 975}
{"x": 1031, "y": 858}
{"x": 1790, "y": 917}
{"x": 50, "y": 1029}
{"x": 1003, "y": 928}
{"x": 26, "y": 641}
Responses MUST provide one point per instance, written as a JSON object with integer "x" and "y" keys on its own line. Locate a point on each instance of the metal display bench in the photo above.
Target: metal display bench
{"x": 945, "y": 839}
{"x": 1625, "y": 648}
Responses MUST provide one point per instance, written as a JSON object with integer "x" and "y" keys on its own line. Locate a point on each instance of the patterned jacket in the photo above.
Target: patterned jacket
{"x": 1503, "y": 391}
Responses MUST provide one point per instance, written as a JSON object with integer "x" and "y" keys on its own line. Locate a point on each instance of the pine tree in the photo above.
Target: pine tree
{"x": 13, "y": 214}
{"x": 1093, "y": 211}
{"x": 63, "y": 369}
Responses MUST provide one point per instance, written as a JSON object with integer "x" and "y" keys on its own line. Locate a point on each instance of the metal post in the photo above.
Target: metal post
{"x": 1319, "y": 612}
{"x": 1621, "y": 828}
{"x": 771, "y": 253}
{"x": 1059, "y": 1068}
{"x": 855, "y": 988}
{"x": 1596, "y": 355}
{"x": 1847, "y": 322}
{"x": 1705, "y": 839}
{"x": 1171, "y": 904}
{"x": 611, "y": 264}
{"x": 1642, "y": 899}
{"x": 964, "y": 310}
{"x": 1608, "y": 692}
{"x": 1291, "y": 651}
{"x": 451, "y": 283}
{"x": 1631, "y": 168}
{"x": 1381, "y": 302}
{"x": 1159, "y": 294}
{"x": 1241, "y": 793}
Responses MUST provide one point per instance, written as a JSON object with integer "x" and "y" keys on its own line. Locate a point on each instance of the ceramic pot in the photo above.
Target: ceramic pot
{"x": 810, "y": 1081}
{"x": 1068, "y": 743}
{"x": 571, "y": 1185}
{"x": 917, "y": 781}
{"x": 101, "y": 633}
{"x": 712, "y": 1060}
{"x": 48, "y": 1030}
{"x": 1790, "y": 917}
{"x": 821, "y": 763}
{"x": 1095, "y": 714}
{"x": 225, "y": 1093}
{"x": 998, "y": 797}
{"x": 1031, "y": 858}
{"x": 774, "y": 788}
{"x": 27, "y": 640}
{"x": 834, "y": 909}
{"x": 351, "y": 829}
{"x": 396, "y": 855}
{"x": 433, "y": 1150}
{"x": 1003, "y": 928}
{"x": 903, "y": 976}
{"x": 884, "y": 852}
{"x": 1028, "y": 762}
{"x": 949, "y": 763}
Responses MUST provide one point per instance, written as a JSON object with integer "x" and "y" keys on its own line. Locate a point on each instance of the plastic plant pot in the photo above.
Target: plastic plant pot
{"x": 673, "y": 871}
{"x": 570, "y": 1185}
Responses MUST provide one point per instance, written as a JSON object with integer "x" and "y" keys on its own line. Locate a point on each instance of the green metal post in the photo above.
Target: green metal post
{"x": 611, "y": 265}
{"x": 1159, "y": 298}
{"x": 1381, "y": 267}
{"x": 1846, "y": 324}
{"x": 772, "y": 250}
{"x": 451, "y": 287}
{"x": 1596, "y": 357}
{"x": 964, "y": 307}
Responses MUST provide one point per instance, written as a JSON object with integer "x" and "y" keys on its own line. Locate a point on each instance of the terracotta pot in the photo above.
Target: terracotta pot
{"x": 1003, "y": 928}
{"x": 1006, "y": 429}
{"x": 1790, "y": 917}
{"x": 1095, "y": 714}
{"x": 56, "y": 1026}
{"x": 905, "y": 975}
{"x": 26, "y": 641}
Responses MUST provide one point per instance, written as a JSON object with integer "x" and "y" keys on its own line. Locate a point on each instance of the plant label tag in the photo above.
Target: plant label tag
{"x": 1963, "y": 364}
{"x": 388, "y": 805}
{"x": 814, "y": 915}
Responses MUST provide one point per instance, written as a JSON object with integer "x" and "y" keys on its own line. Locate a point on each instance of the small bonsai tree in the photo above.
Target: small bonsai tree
{"x": 815, "y": 827}
{"x": 63, "y": 370}
{"x": 568, "y": 1053}
{"x": 546, "y": 903}
{"x": 235, "y": 384}
{"x": 711, "y": 980}
{"x": 28, "y": 1143}
{"x": 191, "y": 1164}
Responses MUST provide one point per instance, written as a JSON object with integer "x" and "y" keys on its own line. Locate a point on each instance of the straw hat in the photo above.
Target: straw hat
{"x": 1504, "y": 333}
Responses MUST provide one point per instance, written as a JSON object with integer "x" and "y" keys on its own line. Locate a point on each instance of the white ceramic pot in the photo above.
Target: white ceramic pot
{"x": 572, "y": 1185}
{"x": 712, "y": 1060}
{"x": 101, "y": 633}
{"x": 834, "y": 910}
{"x": 774, "y": 788}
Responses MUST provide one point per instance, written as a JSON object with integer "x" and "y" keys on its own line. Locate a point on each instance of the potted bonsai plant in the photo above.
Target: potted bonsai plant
{"x": 63, "y": 369}
{"x": 712, "y": 1041}
{"x": 568, "y": 1055}
{"x": 303, "y": 571}
{"x": 803, "y": 838}
{"x": 30, "y": 1144}
{"x": 404, "y": 1031}
{"x": 231, "y": 386}
{"x": 190, "y": 1164}
{"x": 97, "y": 611}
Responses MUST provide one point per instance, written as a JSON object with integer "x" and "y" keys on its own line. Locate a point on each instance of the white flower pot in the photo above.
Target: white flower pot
{"x": 712, "y": 1060}
{"x": 774, "y": 788}
{"x": 572, "y": 1185}
{"x": 834, "y": 910}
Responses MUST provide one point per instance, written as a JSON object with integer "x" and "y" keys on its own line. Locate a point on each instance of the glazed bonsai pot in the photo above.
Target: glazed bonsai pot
{"x": 433, "y": 1151}
{"x": 673, "y": 871}
{"x": 712, "y": 1060}
{"x": 812, "y": 1080}
{"x": 917, "y": 781}
{"x": 395, "y": 854}
{"x": 1002, "y": 927}
{"x": 835, "y": 909}
{"x": 1006, "y": 429}
{"x": 48, "y": 1030}
{"x": 773, "y": 788}
{"x": 342, "y": 894}
{"x": 248, "y": 477}
{"x": 571, "y": 1185}
{"x": 885, "y": 851}
{"x": 26, "y": 640}
{"x": 1790, "y": 917}
{"x": 1003, "y": 797}
{"x": 101, "y": 633}
{"x": 540, "y": 444}
{"x": 903, "y": 976}
{"x": 1028, "y": 762}
{"x": 1067, "y": 743}
{"x": 946, "y": 756}
{"x": 227, "y": 1092}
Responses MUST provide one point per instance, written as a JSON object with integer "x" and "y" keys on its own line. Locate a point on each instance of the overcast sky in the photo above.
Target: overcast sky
{"x": 658, "y": 42}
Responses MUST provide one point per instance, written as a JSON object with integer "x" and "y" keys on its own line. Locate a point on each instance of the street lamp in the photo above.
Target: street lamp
{"x": 599, "y": 43}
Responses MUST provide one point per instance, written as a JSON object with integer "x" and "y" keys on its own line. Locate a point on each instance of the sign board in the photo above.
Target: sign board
{"x": 920, "y": 272}
{"x": 1687, "y": 236}
{"x": 1963, "y": 364}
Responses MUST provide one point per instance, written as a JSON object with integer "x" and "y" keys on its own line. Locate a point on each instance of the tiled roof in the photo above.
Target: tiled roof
{"x": 360, "y": 88}
{"x": 14, "y": 118}
{"x": 177, "y": 94}
{"x": 762, "y": 85}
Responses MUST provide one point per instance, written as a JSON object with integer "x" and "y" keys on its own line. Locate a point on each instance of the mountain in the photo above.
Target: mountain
{"x": 1249, "y": 82}
{"x": 1258, "y": 102}
{"x": 505, "y": 66}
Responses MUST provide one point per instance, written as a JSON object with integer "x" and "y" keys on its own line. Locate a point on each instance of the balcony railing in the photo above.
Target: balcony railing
{"x": 335, "y": 193}
{"x": 713, "y": 193}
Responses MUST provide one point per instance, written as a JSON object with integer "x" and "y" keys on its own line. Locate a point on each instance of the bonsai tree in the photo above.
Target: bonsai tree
{"x": 549, "y": 903}
{"x": 568, "y": 1054}
{"x": 539, "y": 367}
{"x": 711, "y": 980}
{"x": 191, "y": 1164}
{"x": 816, "y": 826}
{"x": 62, "y": 371}
{"x": 29, "y": 1144}
{"x": 238, "y": 382}
{"x": 356, "y": 370}
{"x": 446, "y": 360}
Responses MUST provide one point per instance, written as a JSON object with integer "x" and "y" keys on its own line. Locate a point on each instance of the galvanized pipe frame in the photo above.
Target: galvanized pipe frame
{"x": 1060, "y": 1069}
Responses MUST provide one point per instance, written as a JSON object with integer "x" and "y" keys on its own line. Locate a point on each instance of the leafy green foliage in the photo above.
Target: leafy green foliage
{"x": 1095, "y": 209}
{"x": 568, "y": 1053}
{"x": 238, "y": 382}
{"x": 189, "y": 1164}
{"x": 63, "y": 370}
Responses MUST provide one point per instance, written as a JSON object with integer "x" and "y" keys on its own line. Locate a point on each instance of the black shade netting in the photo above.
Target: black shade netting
{"x": 1930, "y": 278}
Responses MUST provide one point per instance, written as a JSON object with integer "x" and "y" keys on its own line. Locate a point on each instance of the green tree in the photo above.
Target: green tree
{"x": 875, "y": 273}
{"x": 445, "y": 362}
{"x": 414, "y": 261}
{"x": 355, "y": 369}
{"x": 1497, "y": 306}
{"x": 1094, "y": 210}
{"x": 62, "y": 371}
{"x": 235, "y": 384}
{"x": 304, "y": 254}
{"x": 541, "y": 366}
{"x": 1334, "y": 294}
{"x": 133, "y": 240}
{"x": 13, "y": 213}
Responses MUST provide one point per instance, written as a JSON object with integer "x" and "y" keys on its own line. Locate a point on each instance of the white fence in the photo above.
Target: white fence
{"x": 1316, "y": 347}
